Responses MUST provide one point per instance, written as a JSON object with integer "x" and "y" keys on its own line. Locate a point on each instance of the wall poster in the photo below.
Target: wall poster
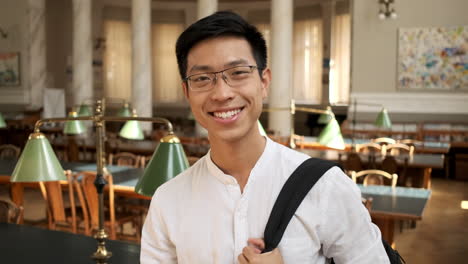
{"x": 9, "y": 69}
{"x": 432, "y": 59}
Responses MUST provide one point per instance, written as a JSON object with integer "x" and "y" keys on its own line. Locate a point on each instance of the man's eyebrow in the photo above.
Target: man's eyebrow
{"x": 200, "y": 68}
{"x": 236, "y": 62}
{"x": 206, "y": 68}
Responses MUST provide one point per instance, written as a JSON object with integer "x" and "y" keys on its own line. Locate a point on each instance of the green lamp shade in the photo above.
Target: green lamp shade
{"x": 383, "y": 120}
{"x": 167, "y": 162}
{"x": 125, "y": 111}
{"x": 85, "y": 110}
{"x": 331, "y": 136}
{"x": 132, "y": 130}
{"x": 74, "y": 127}
{"x": 260, "y": 128}
{"x": 2, "y": 121}
{"x": 325, "y": 118}
{"x": 37, "y": 162}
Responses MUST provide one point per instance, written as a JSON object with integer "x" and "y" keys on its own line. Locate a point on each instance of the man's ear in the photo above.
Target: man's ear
{"x": 266, "y": 79}
{"x": 186, "y": 92}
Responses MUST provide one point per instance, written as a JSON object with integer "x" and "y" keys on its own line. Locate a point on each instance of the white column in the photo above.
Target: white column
{"x": 206, "y": 8}
{"x": 142, "y": 87}
{"x": 82, "y": 67}
{"x": 328, "y": 11}
{"x": 37, "y": 52}
{"x": 281, "y": 65}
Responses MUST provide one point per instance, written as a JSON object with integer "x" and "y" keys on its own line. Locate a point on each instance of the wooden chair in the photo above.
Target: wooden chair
{"x": 374, "y": 177}
{"x": 370, "y": 147}
{"x": 60, "y": 217}
{"x": 144, "y": 160}
{"x": 10, "y": 212}
{"x": 398, "y": 148}
{"x": 384, "y": 141}
{"x": 9, "y": 151}
{"x": 390, "y": 165}
{"x": 353, "y": 162}
{"x": 114, "y": 219}
{"x": 124, "y": 159}
{"x": 410, "y": 142}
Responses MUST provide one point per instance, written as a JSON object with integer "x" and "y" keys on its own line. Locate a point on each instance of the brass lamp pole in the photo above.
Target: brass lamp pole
{"x": 23, "y": 172}
{"x": 292, "y": 109}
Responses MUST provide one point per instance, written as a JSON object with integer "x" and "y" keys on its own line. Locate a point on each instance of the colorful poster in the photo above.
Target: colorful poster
{"x": 9, "y": 69}
{"x": 433, "y": 58}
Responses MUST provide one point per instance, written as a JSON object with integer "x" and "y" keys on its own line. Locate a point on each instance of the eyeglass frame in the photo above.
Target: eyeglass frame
{"x": 186, "y": 79}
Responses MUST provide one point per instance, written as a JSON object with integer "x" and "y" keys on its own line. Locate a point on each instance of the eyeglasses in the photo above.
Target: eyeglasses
{"x": 234, "y": 77}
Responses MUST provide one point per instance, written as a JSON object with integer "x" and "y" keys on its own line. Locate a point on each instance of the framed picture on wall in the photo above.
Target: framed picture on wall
{"x": 9, "y": 69}
{"x": 433, "y": 59}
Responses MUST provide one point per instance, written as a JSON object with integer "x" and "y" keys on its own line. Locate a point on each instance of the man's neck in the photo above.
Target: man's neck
{"x": 238, "y": 158}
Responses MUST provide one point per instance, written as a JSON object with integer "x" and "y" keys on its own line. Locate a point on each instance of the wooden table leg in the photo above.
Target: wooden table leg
{"x": 427, "y": 178}
{"x": 17, "y": 191}
{"x": 387, "y": 228}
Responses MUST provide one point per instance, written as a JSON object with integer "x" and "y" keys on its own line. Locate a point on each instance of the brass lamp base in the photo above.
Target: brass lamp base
{"x": 101, "y": 256}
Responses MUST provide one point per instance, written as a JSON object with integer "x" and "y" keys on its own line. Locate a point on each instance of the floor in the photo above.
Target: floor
{"x": 441, "y": 236}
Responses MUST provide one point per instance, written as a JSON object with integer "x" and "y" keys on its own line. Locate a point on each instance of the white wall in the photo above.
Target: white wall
{"x": 374, "y": 56}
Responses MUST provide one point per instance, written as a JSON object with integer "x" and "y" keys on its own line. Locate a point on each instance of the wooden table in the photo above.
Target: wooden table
{"x": 393, "y": 204}
{"x": 22, "y": 244}
{"x": 120, "y": 174}
{"x": 419, "y": 161}
{"x": 420, "y": 147}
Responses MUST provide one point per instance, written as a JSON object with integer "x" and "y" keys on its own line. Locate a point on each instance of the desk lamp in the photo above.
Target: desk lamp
{"x": 132, "y": 129}
{"x": 2, "y": 121}
{"x": 39, "y": 163}
{"x": 85, "y": 110}
{"x": 74, "y": 127}
{"x": 330, "y": 135}
{"x": 382, "y": 121}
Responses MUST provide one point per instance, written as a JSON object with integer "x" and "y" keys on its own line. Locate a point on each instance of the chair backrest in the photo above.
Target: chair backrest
{"x": 353, "y": 162}
{"x": 144, "y": 160}
{"x": 410, "y": 142}
{"x": 374, "y": 177}
{"x": 389, "y": 164}
{"x": 370, "y": 147}
{"x": 384, "y": 141}
{"x": 398, "y": 148}
{"x": 10, "y": 212}
{"x": 87, "y": 179}
{"x": 9, "y": 151}
{"x": 124, "y": 159}
{"x": 53, "y": 195}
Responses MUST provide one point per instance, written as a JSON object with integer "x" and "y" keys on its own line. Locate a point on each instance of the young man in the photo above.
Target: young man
{"x": 216, "y": 211}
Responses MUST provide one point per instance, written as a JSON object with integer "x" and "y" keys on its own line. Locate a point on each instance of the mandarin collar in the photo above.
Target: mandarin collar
{"x": 227, "y": 179}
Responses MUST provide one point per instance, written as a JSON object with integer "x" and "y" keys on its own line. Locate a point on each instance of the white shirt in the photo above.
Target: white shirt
{"x": 201, "y": 217}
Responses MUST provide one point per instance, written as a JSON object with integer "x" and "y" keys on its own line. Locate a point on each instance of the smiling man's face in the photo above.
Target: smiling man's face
{"x": 228, "y": 113}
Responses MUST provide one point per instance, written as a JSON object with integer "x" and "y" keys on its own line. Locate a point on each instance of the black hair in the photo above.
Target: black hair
{"x": 222, "y": 23}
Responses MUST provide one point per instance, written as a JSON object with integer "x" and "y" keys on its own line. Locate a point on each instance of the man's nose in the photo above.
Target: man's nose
{"x": 221, "y": 89}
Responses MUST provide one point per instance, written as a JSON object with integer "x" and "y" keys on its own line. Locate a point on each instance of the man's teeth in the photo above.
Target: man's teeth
{"x": 227, "y": 114}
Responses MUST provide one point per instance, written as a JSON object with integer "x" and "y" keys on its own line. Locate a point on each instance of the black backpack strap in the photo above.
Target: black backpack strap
{"x": 290, "y": 197}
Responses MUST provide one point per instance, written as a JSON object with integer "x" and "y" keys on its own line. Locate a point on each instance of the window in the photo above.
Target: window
{"x": 340, "y": 55}
{"x": 307, "y": 61}
{"x": 118, "y": 61}
{"x": 166, "y": 80}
